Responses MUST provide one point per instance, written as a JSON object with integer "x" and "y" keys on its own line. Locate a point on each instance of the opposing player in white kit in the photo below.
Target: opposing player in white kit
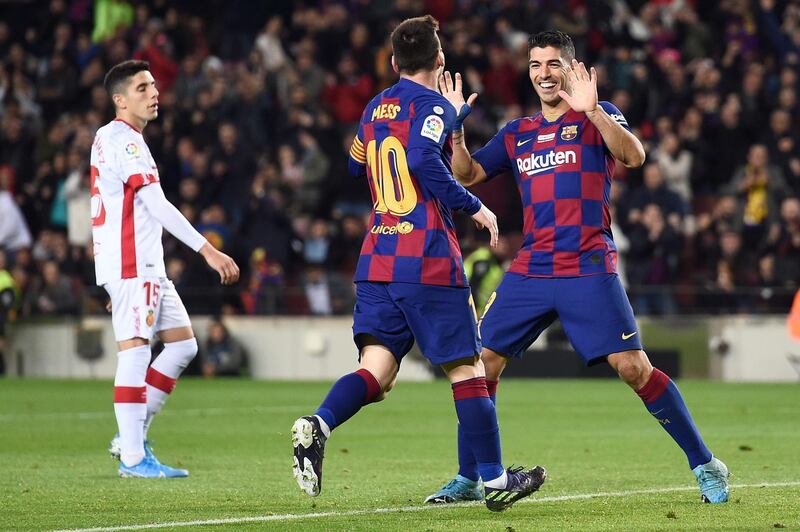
{"x": 129, "y": 210}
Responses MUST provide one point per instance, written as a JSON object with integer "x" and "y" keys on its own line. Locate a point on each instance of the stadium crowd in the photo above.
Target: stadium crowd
{"x": 260, "y": 100}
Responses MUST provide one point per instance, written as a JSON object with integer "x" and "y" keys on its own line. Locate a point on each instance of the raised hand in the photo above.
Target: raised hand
{"x": 584, "y": 88}
{"x": 453, "y": 91}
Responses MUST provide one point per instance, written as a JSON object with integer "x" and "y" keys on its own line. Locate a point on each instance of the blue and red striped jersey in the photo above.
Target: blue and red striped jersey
{"x": 563, "y": 171}
{"x": 403, "y": 146}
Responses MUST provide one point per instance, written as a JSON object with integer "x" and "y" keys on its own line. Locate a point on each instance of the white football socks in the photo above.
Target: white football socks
{"x": 130, "y": 406}
{"x": 326, "y": 430}
{"x": 499, "y": 482}
{"x": 163, "y": 374}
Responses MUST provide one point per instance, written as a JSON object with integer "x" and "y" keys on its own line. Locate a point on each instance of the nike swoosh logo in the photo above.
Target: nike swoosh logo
{"x": 626, "y": 336}
{"x": 523, "y": 142}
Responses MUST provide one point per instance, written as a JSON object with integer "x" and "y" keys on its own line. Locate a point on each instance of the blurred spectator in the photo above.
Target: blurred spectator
{"x": 655, "y": 192}
{"x": 78, "y": 198}
{"x": 653, "y": 261}
{"x": 9, "y": 294}
{"x": 484, "y": 269}
{"x": 315, "y": 247}
{"x": 265, "y": 288}
{"x": 52, "y": 294}
{"x": 14, "y": 233}
{"x": 269, "y": 44}
{"x": 154, "y": 47}
{"x": 783, "y": 145}
{"x": 760, "y": 187}
{"x": 499, "y": 80}
{"x": 327, "y": 292}
{"x": 675, "y": 164}
{"x": 735, "y": 267}
{"x": 222, "y": 355}
{"x": 784, "y": 243}
{"x": 348, "y": 91}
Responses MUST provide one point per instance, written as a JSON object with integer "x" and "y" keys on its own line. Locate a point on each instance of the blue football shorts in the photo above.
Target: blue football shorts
{"x": 441, "y": 319}
{"x": 594, "y": 311}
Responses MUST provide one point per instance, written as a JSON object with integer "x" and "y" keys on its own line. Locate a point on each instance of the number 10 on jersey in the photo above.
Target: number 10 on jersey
{"x": 394, "y": 190}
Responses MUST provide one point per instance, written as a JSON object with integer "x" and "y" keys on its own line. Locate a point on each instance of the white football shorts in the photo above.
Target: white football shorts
{"x": 143, "y": 306}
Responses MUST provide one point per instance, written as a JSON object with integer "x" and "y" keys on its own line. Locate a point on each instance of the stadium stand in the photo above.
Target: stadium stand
{"x": 259, "y": 101}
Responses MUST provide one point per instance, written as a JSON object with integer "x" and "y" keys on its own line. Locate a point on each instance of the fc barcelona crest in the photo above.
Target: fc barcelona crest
{"x": 569, "y": 132}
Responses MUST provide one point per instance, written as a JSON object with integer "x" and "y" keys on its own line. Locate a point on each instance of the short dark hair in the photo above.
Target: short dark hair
{"x": 415, "y": 44}
{"x": 119, "y": 76}
{"x": 554, "y": 38}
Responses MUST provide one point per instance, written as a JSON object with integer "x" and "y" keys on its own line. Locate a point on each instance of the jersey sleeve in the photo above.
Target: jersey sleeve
{"x": 493, "y": 156}
{"x": 427, "y": 166}
{"x": 357, "y": 162}
{"x": 428, "y": 132}
{"x": 133, "y": 162}
{"x": 616, "y": 114}
{"x": 432, "y": 124}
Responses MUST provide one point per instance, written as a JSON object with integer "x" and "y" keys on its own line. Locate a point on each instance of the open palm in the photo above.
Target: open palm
{"x": 453, "y": 91}
{"x": 584, "y": 88}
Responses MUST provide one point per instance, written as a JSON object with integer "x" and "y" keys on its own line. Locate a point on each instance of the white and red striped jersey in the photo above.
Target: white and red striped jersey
{"x": 127, "y": 239}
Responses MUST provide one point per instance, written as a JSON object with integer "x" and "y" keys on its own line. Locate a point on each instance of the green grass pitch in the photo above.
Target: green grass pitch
{"x": 593, "y": 436}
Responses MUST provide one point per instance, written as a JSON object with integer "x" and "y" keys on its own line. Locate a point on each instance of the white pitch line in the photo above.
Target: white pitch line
{"x": 186, "y": 412}
{"x": 419, "y": 508}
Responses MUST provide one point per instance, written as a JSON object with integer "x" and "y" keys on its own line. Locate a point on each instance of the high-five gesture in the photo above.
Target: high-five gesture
{"x": 453, "y": 91}
{"x": 584, "y": 88}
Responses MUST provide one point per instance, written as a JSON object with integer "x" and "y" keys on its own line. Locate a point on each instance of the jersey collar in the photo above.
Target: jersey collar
{"x": 139, "y": 131}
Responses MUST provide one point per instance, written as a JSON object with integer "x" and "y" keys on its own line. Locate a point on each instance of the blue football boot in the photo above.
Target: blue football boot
{"x": 713, "y": 481}
{"x": 457, "y": 490}
{"x": 520, "y": 484}
{"x": 151, "y": 468}
{"x": 169, "y": 472}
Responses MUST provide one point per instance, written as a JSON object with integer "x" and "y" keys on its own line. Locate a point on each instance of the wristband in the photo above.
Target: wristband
{"x": 466, "y": 109}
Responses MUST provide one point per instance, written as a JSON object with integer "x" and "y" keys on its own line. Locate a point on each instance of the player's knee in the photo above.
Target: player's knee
{"x": 633, "y": 367}
{"x": 184, "y": 350}
{"x": 493, "y": 363}
{"x": 383, "y": 395}
{"x": 385, "y": 389}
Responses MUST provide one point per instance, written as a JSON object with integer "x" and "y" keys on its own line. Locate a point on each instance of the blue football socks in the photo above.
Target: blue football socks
{"x": 478, "y": 429}
{"x": 664, "y": 401}
{"x": 347, "y": 396}
{"x": 467, "y": 466}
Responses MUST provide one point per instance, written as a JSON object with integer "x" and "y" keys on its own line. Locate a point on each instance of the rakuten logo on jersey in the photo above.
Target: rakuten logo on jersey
{"x": 536, "y": 164}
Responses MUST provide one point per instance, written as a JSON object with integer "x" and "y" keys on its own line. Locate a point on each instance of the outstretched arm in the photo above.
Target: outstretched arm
{"x": 466, "y": 170}
{"x": 622, "y": 144}
{"x": 178, "y": 226}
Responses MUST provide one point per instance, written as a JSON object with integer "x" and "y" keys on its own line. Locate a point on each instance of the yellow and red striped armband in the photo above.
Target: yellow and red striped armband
{"x": 357, "y": 151}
